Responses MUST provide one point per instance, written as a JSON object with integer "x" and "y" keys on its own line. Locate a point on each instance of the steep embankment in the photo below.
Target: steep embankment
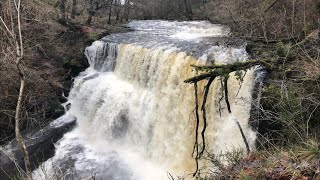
{"x": 287, "y": 118}
{"x": 50, "y": 63}
{"x": 53, "y": 56}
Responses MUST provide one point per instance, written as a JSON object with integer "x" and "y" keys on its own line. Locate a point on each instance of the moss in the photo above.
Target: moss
{"x": 66, "y": 62}
{"x": 239, "y": 75}
{"x": 282, "y": 49}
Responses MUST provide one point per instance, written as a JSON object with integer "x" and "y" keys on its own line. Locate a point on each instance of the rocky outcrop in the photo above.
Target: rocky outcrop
{"x": 39, "y": 143}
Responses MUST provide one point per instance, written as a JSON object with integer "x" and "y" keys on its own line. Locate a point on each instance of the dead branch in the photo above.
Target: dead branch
{"x": 226, "y": 69}
{"x": 215, "y": 71}
{"x": 196, "y": 145}
{"x": 225, "y": 82}
{"x": 203, "y": 108}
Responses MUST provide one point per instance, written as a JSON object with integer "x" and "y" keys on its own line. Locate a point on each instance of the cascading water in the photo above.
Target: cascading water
{"x": 135, "y": 114}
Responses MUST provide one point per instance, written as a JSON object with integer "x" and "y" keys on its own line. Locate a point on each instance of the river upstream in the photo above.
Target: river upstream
{"x": 134, "y": 113}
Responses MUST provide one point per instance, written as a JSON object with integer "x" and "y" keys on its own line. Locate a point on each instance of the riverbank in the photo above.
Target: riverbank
{"x": 54, "y": 59}
{"x": 286, "y": 116}
{"x": 51, "y": 66}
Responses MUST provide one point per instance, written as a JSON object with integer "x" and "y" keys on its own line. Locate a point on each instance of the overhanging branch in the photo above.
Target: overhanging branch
{"x": 212, "y": 72}
{"x": 220, "y": 70}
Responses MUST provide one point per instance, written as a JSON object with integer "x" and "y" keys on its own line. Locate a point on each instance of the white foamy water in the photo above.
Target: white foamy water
{"x": 134, "y": 111}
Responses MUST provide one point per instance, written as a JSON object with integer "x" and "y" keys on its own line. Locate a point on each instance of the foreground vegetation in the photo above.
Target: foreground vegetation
{"x": 294, "y": 163}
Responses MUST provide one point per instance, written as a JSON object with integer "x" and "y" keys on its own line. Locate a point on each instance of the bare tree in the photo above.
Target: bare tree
{"x": 117, "y": 9}
{"x": 95, "y": 6}
{"x": 268, "y": 20}
{"x": 74, "y": 9}
{"x": 12, "y": 26}
{"x": 110, "y": 11}
{"x": 166, "y": 9}
{"x": 61, "y": 5}
{"x": 188, "y": 9}
{"x": 126, "y": 10}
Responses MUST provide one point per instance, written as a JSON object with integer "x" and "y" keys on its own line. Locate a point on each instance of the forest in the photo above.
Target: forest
{"x": 41, "y": 52}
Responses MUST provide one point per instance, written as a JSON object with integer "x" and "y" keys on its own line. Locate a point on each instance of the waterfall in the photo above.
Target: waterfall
{"x": 136, "y": 115}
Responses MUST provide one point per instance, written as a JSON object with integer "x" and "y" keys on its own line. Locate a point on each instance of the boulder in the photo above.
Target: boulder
{"x": 40, "y": 146}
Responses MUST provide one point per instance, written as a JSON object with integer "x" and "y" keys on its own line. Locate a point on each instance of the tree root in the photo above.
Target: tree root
{"x": 196, "y": 144}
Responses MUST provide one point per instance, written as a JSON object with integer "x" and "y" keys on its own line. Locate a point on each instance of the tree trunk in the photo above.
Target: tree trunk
{"x": 63, "y": 9}
{"x": 19, "y": 56}
{"x": 117, "y": 18}
{"x": 292, "y": 18}
{"x": 117, "y": 10}
{"x": 17, "y": 126}
{"x": 15, "y": 36}
{"x": 89, "y": 18}
{"x": 188, "y": 10}
{"x": 127, "y": 10}
{"x": 110, "y": 11}
{"x": 74, "y": 9}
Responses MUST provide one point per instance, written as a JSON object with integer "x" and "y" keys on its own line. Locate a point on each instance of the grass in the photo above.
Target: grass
{"x": 309, "y": 152}
{"x": 296, "y": 163}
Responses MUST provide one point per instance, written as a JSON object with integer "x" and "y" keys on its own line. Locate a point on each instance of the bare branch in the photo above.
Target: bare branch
{"x": 227, "y": 68}
{"x": 6, "y": 27}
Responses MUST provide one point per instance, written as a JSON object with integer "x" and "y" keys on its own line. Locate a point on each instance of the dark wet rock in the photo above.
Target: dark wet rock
{"x": 39, "y": 143}
{"x": 121, "y": 124}
{"x": 62, "y": 99}
{"x": 67, "y": 85}
{"x": 68, "y": 106}
{"x": 75, "y": 65}
{"x": 56, "y": 110}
